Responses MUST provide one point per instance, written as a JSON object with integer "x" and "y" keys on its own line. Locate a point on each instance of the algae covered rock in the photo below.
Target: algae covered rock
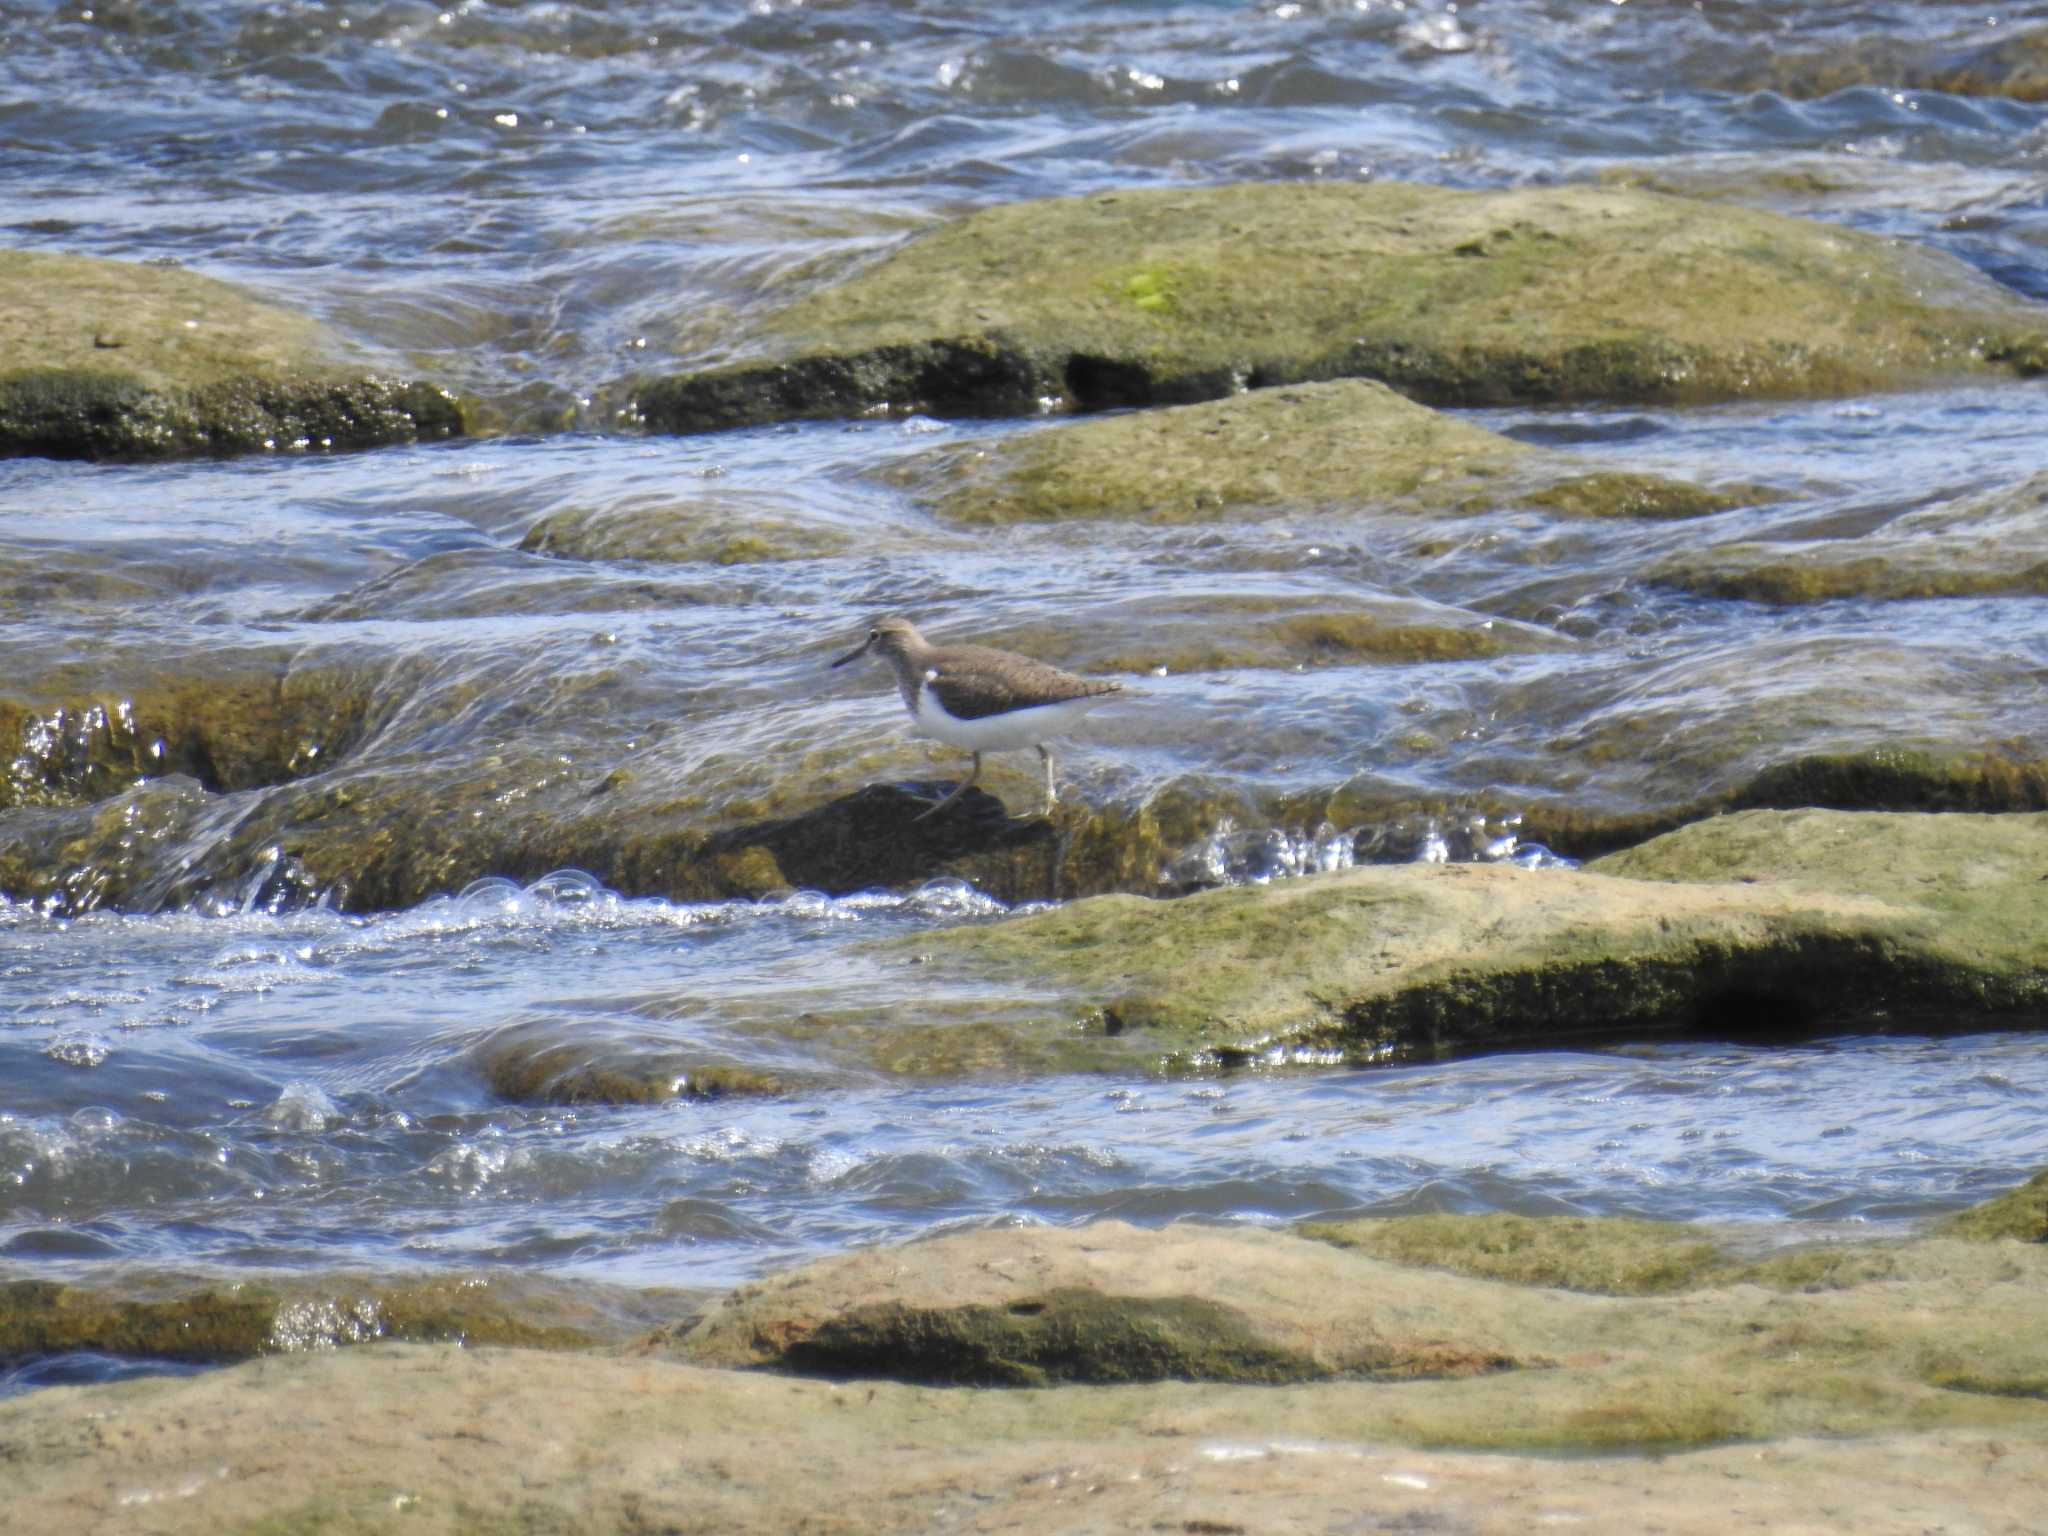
{"x": 1783, "y": 924}
{"x": 210, "y": 1324}
{"x": 1347, "y": 443}
{"x": 705, "y": 530}
{"x": 1700, "y": 1350}
{"x": 2021, "y": 1214}
{"x": 117, "y": 360}
{"x": 1107, "y": 1303}
{"x": 1170, "y": 295}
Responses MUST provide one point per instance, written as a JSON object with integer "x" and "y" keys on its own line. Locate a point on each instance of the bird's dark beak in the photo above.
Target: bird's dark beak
{"x": 855, "y": 654}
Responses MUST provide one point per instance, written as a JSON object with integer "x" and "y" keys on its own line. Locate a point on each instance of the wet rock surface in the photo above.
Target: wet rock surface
{"x": 1167, "y": 296}
{"x": 111, "y": 360}
{"x": 1987, "y": 544}
{"x": 167, "y": 1318}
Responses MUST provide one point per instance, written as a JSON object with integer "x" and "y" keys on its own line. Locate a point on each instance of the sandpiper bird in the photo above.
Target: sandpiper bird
{"x": 980, "y": 698}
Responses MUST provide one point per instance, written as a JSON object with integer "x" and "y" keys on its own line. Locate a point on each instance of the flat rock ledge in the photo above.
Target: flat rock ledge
{"x": 114, "y": 360}
{"x": 1222, "y": 1379}
{"x": 1455, "y": 298}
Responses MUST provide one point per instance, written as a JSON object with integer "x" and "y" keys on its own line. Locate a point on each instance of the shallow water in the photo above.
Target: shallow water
{"x": 305, "y": 1091}
{"x": 531, "y": 200}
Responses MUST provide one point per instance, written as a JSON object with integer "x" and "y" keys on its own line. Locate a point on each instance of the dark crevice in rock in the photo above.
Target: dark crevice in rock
{"x": 1774, "y": 992}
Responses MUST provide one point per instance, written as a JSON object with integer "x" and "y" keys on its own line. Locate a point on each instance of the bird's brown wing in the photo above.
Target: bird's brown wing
{"x": 974, "y": 683}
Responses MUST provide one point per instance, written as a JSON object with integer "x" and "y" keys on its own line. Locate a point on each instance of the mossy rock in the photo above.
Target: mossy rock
{"x": 1069, "y": 1335}
{"x": 2021, "y": 1214}
{"x": 228, "y": 728}
{"x": 669, "y": 532}
{"x": 215, "y": 1324}
{"x": 1162, "y": 296}
{"x": 1349, "y": 445}
{"x": 1105, "y": 1305}
{"x": 530, "y": 1063}
{"x": 1786, "y": 923}
{"x": 1879, "y": 779}
{"x": 115, "y": 360}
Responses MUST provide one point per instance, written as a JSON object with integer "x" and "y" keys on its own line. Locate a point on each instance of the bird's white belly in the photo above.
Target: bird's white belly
{"x": 1010, "y": 732}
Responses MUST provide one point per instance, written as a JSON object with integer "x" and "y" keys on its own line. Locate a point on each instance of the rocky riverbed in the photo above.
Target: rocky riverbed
{"x": 1543, "y": 956}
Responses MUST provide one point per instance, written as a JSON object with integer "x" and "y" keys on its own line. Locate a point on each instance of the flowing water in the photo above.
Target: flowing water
{"x": 219, "y": 1067}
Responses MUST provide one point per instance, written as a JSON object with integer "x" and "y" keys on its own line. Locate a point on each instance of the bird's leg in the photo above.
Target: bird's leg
{"x": 958, "y": 790}
{"x": 1047, "y": 756}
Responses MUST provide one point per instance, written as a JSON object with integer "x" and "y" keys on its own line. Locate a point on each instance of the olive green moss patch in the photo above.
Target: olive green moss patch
{"x": 1161, "y": 296}
{"x": 118, "y": 360}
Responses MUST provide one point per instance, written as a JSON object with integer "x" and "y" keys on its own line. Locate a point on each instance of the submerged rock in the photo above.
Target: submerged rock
{"x": 1165, "y": 296}
{"x": 257, "y": 721}
{"x": 1991, "y": 544}
{"x": 2013, "y": 65}
{"x": 115, "y": 360}
{"x": 538, "y": 1062}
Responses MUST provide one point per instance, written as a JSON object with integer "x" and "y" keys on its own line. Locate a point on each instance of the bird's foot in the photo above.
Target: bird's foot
{"x": 940, "y": 804}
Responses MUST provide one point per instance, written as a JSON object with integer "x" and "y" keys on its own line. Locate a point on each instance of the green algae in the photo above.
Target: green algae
{"x": 1169, "y": 295}
{"x": 2020, "y": 1214}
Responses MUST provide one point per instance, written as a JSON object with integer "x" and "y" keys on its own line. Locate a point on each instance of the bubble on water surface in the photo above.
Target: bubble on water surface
{"x": 78, "y": 1050}
{"x": 303, "y": 1107}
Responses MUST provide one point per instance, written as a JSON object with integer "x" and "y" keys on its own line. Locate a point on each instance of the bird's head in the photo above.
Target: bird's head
{"x": 891, "y": 636}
